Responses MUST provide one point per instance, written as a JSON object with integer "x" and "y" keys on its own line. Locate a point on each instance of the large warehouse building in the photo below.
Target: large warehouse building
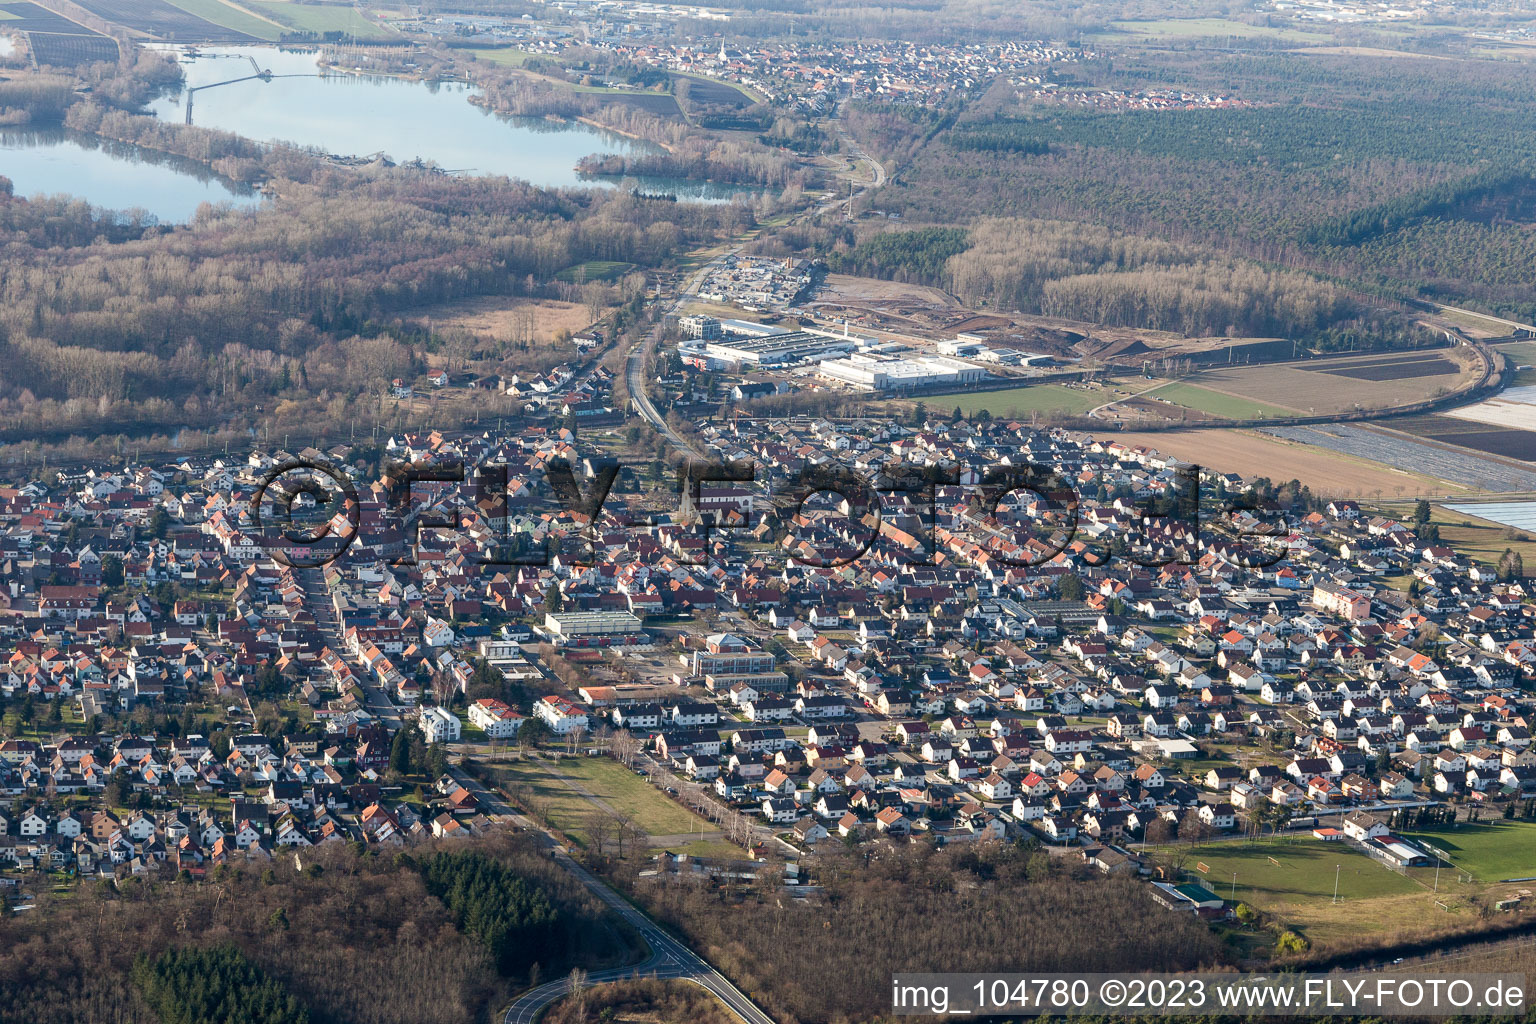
{"x": 887, "y": 373}
{"x": 595, "y": 629}
{"x": 775, "y": 349}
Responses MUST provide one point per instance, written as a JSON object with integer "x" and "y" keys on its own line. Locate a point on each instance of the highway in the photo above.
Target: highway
{"x": 668, "y": 958}
{"x": 1513, "y": 325}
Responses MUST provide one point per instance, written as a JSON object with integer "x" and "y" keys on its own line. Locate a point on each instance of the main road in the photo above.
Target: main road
{"x": 317, "y": 598}
{"x": 634, "y": 368}
{"x": 668, "y": 958}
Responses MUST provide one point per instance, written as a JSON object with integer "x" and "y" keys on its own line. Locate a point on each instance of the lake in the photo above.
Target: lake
{"x": 359, "y": 115}
{"x": 350, "y": 115}
{"x": 58, "y": 161}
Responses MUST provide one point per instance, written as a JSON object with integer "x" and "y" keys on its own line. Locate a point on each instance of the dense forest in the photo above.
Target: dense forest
{"x": 508, "y": 913}
{"x": 1380, "y": 174}
{"x": 335, "y": 929}
{"x": 1086, "y": 272}
{"x": 216, "y": 985}
{"x": 913, "y": 908}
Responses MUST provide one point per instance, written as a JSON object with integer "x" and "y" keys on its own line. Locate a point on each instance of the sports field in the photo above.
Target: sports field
{"x": 1296, "y": 889}
{"x": 1489, "y": 851}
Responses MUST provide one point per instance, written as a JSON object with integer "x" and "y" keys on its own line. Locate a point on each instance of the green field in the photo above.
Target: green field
{"x": 627, "y": 793}
{"x": 321, "y": 19}
{"x": 1202, "y": 28}
{"x": 1298, "y": 892}
{"x": 230, "y": 17}
{"x": 1519, "y": 353}
{"x": 1043, "y": 398}
{"x": 508, "y": 56}
{"x": 1489, "y": 851}
{"x": 1191, "y": 396}
{"x": 595, "y": 270}
{"x": 1305, "y": 870}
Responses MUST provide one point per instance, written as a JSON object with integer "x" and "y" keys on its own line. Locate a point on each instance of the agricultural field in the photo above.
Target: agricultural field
{"x": 162, "y": 20}
{"x": 25, "y": 16}
{"x": 1328, "y": 473}
{"x": 1488, "y": 851}
{"x": 1480, "y": 428}
{"x": 234, "y": 17}
{"x": 1205, "y": 28}
{"x": 714, "y": 92}
{"x": 1396, "y": 380}
{"x": 231, "y": 17}
{"x": 1393, "y": 448}
{"x": 1039, "y": 398}
{"x": 68, "y": 51}
{"x": 320, "y": 18}
{"x": 661, "y": 104}
{"x": 1392, "y": 368}
{"x": 1292, "y": 881}
{"x": 1230, "y": 407}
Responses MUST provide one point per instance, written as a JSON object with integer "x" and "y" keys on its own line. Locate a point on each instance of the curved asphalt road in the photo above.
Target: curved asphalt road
{"x": 669, "y": 958}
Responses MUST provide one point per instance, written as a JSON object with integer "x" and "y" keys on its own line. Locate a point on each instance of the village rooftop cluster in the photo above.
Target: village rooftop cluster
{"x": 144, "y": 625}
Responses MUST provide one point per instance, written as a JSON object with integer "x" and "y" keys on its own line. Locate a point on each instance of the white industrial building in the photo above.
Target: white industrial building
{"x": 592, "y": 624}
{"x": 776, "y": 349}
{"x": 876, "y": 373}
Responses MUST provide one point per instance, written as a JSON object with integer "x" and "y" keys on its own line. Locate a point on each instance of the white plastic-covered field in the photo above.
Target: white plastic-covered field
{"x": 1518, "y": 514}
{"x": 1514, "y": 408}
